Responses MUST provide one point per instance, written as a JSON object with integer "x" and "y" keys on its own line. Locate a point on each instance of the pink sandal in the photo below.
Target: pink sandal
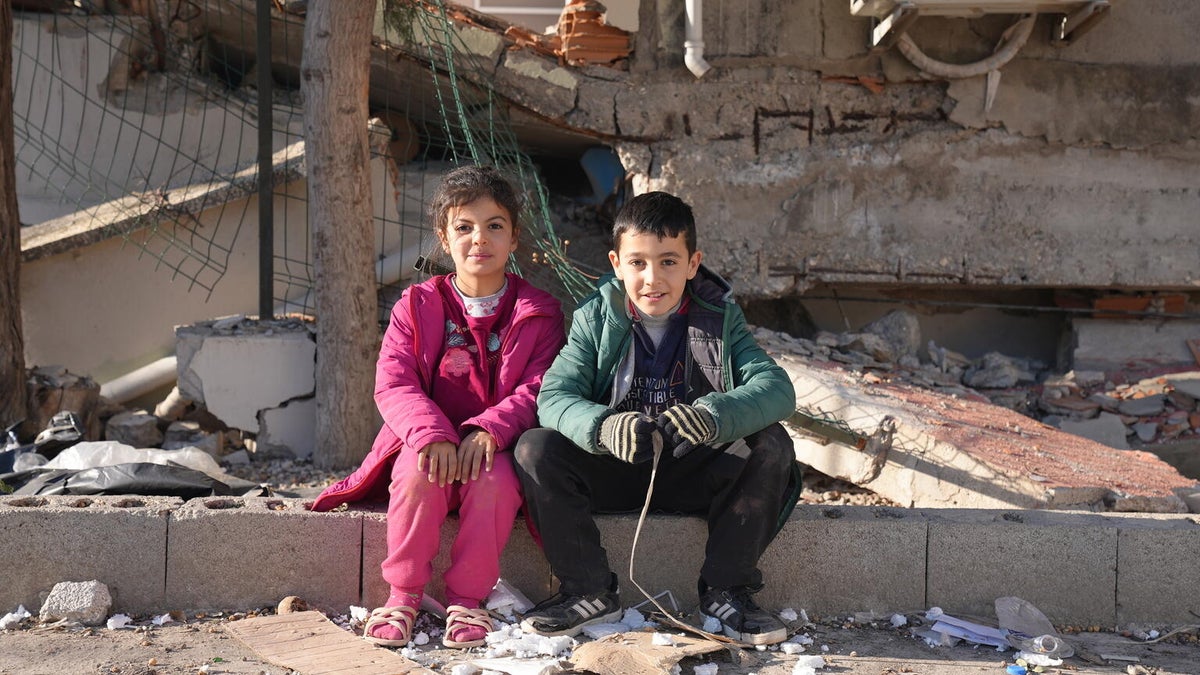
{"x": 466, "y": 627}
{"x": 400, "y": 617}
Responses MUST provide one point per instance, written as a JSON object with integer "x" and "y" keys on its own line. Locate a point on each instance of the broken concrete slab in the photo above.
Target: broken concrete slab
{"x": 958, "y": 451}
{"x": 1106, "y": 428}
{"x": 1188, "y": 383}
{"x": 185, "y": 434}
{"x": 1144, "y": 406}
{"x": 289, "y": 428}
{"x": 136, "y": 428}
{"x": 214, "y": 367}
{"x": 1184, "y": 455}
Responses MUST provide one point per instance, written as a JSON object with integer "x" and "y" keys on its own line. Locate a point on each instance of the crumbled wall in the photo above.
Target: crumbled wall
{"x": 1082, "y": 172}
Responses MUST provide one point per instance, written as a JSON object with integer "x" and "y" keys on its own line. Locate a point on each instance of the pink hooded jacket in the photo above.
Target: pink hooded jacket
{"x": 412, "y": 345}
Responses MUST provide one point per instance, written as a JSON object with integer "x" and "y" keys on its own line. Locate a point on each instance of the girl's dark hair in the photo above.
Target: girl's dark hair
{"x": 468, "y": 183}
{"x": 657, "y": 213}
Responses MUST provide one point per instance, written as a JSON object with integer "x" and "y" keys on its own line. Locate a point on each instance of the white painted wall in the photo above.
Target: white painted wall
{"x": 85, "y": 147}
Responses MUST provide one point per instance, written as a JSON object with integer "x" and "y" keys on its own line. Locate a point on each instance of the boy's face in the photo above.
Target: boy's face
{"x": 655, "y": 270}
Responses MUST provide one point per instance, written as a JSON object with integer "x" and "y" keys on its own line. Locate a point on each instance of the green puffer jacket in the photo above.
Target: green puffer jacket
{"x": 729, "y": 374}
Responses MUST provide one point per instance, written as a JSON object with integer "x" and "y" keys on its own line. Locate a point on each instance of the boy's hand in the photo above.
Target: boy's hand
{"x": 686, "y": 426}
{"x": 631, "y": 437}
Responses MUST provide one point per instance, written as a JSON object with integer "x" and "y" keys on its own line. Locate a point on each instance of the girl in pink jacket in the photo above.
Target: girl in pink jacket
{"x": 456, "y": 383}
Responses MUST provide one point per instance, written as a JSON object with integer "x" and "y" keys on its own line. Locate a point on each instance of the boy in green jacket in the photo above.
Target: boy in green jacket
{"x": 659, "y": 361}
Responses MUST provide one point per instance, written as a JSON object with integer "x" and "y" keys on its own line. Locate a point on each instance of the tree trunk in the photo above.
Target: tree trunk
{"x": 12, "y": 341}
{"x": 334, "y": 76}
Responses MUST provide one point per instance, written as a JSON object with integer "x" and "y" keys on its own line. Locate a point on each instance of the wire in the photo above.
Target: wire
{"x": 637, "y": 532}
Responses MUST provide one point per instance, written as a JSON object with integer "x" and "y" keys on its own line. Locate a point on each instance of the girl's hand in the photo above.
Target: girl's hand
{"x": 442, "y": 459}
{"x": 477, "y": 449}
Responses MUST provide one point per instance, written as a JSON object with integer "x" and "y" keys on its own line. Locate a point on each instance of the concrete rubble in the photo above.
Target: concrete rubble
{"x": 990, "y": 432}
{"x": 86, "y": 602}
{"x": 953, "y": 445}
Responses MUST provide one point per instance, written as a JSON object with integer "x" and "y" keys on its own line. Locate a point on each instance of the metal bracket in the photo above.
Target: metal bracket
{"x": 888, "y": 30}
{"x": 1074, "y": 25}
{"x": 876, "y": 446}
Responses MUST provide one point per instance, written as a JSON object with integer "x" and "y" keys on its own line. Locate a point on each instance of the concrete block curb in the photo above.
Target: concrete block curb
{"x": 240, "y": 553}
{"x": 837, "y": 559}
{"x": 1158, "y": 563}
{"x": 522, "y": 564}
{"x": 247, "y": 552}
{"x": 118, "y": 540}
{"x": 1063, "y": 563}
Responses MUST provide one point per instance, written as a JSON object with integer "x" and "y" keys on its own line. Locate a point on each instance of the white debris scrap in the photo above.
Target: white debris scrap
{"x": 712, "y": 624}
{"x": 421, "y": 638}
{"x": 359, "y": 614}
{"x": 899, "y": 620}
{"x": 510, "y": 639}
{"x": 635, "y": 619}
{"x": 663, "y": 639}
{"x": 1035, "y": 659}
{"x": 509, "y": 666}
{"x": 791, "y": 648}
{"x": 706, "y": 669}
{"x": 808, "y": 665}
{"x": 599, "y": 630}
{"x": 13, "y": 619}
{"x": 466, "y": 669}
{"x": 631, "y": 620}
{"x": 788, "y": 614}
{"x": 160, "y": 620}
{"x": 118, "y": 621}
{"x": 507, "y": 600}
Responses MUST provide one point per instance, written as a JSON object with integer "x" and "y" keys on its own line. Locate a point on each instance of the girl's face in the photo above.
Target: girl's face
{"x": 479, "y": 237}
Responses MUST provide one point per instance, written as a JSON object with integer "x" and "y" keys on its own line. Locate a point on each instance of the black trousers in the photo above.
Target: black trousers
{"x": 741, "y": 488}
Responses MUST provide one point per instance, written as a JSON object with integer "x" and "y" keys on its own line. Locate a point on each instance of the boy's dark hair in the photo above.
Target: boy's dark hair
{"x": 468, "y": 183}
{"x": 658, "y": 213}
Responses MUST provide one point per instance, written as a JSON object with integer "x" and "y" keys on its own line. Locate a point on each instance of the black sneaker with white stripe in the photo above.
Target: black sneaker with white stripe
{"x": 563, "y": 614}
{"x": 741, "y": 618}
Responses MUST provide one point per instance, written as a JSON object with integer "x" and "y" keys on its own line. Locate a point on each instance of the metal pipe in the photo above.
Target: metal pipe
{"x": 266, "y": 216}
{"x": 693, "y": 44}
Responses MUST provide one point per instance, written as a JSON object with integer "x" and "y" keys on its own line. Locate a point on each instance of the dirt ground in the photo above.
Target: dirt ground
{"x": 208, "y": 646}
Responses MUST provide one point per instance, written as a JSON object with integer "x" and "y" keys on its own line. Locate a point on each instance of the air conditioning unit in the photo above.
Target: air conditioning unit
{"x": 892, "y": 17}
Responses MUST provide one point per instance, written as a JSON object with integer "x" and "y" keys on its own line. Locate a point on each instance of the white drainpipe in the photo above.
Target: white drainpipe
{"x": 163, "y": 371}
{"x": 141, "y": 381}
{"x": 693, "y": 44}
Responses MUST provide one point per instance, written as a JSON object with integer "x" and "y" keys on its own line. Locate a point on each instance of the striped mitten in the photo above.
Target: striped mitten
{"x": 631, "y": 437}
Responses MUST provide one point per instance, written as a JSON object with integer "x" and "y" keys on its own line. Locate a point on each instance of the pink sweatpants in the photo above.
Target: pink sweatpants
{"x": 487, "y": 508}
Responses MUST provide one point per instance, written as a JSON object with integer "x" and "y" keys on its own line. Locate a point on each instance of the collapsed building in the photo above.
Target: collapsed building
{"x": 1024, "y": 184}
